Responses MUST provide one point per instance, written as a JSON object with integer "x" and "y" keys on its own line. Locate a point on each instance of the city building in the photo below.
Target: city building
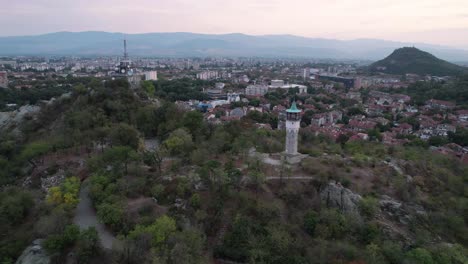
{"x": 207, "y": 75}
{"x": 219, "y": 85}
{"x": 151, "y": 75}
{"x": 10, "y": 63}
{"x": 293, "y": 121}
{"x": 3, "y": 79}
{"x": 301, "y": 88}
{"x": 256, "y": 90}
{"x": 276, "y": 83}
{"x": 346, "y": 81}
{"x": 306, "y": 74}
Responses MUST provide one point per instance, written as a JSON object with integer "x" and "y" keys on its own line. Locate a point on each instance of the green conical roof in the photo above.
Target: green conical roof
{"x": 293, "y": 108}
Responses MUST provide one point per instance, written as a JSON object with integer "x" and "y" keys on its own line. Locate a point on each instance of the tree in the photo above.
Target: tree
{"x": 342, "y": 139}
{"x": 159, "y": 230}
{"x": 120, "y": 154}
{"x": 193, "y": 121}
{"x": 368, "y": 206}
{"x": 34, "y": 150}
{"x": 66, "y": 193}
{"x": 124, "y": 135}
{"x": 56, "y": 243}
{"x": 310, "y": 221}
{"x": 419, "y": 256}
{"x": 14, "y": 207}
{"x": 149, "y": 88}
{"x": 111, "y": 214}
{"x": 87, "y": 245}
{"x": 155, "y": 158}
{"x": 257, "y": 178}
{"x": 187, "y": 247}
{"x": 146, "y": 119}
{"x": 179, "y": 142}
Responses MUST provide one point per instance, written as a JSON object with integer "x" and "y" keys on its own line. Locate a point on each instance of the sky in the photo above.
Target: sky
{"x": 442, "y": 22}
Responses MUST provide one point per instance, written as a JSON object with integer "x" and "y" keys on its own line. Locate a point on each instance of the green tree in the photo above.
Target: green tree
{"x": 111, "y": 215}
{"x": 368, "y": 206}
{"x": 35, "y": 150}
{"x": 124, "y": 135}
{"x": 160, "y": 230}
{"x": 119, "y": 155}
{"x": 193, "y": 122}
{"x": 179, "y": 142}
{"x": 56, "y": 243}
{"x": 310, "y": 222}
{"x": 87, "y": 245}
{"x": 419, "y": 256}
{"x": 148, "y": 87}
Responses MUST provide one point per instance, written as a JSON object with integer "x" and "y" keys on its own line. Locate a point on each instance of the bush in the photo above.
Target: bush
{"x": 87, "y": 245}
{"x": 111, "y": 214}
{"x": 419, "y": 256}
{"x": 58, "y": 242}
{"x": 368, "y": 206}
{"x": 157, "y": 191}
{"x": 195, "y": 201}
{"x": 310, "y": 222}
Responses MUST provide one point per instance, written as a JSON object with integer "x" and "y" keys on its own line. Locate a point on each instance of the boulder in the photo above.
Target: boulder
{"x": 11, "y": 120}
{"x": 337, "y": 196}
{"x": 34, "y": 254}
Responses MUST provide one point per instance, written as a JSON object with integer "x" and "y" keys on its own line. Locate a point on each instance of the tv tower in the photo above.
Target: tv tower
{"x": 125, "y": 63}
{"x": 125, "y": 49}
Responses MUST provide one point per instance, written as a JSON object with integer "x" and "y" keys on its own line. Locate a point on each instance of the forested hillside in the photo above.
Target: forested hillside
{"x": 172, "y": 188}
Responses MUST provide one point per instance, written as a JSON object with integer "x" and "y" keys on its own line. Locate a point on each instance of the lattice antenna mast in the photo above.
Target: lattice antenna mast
{"x": 125, "y": 49}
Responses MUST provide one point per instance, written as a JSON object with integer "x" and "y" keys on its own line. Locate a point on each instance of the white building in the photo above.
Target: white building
{"x": 233, "y": 97}
{"x": 276, "y": 83}
{"x": 219, "y": 85}
{"x": 151, "y": 75}
{"x": 256, "y": 90}
{"x": 207, "y": 75}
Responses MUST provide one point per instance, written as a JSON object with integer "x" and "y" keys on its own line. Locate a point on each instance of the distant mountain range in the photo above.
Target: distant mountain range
{"x": 412, "y": 60}
{"x": 192, "y": 44}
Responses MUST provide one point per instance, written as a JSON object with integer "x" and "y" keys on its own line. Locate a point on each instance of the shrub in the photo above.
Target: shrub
{"x": 310, "y": 222}
{"x": 195, "y": 201}
{"x": 368, "y": 206}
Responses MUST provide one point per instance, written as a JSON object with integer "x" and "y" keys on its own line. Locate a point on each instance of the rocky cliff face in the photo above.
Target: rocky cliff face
{"x": 34, "y": 254}
{"x": 11, "y": 120}
{"x": 337, "y": 196}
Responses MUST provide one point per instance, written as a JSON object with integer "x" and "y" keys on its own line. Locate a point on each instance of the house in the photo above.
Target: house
{"x": 403, "y": 129}
{"x": 358, "y": 125}
{"x": 439, "y": 104}
{"x": 326, "y": 118}
{"x": 462, "y": 115}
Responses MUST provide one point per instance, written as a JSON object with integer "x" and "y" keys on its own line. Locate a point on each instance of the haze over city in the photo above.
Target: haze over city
{"x": 433, "y": 22}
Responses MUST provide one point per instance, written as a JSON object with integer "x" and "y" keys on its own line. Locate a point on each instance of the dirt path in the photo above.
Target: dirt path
{"x": 85, "y": 216}
{"x": 269, "y": 178}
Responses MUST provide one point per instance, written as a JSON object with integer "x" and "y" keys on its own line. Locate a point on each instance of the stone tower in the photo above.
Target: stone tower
{"x": 293, "y": 123}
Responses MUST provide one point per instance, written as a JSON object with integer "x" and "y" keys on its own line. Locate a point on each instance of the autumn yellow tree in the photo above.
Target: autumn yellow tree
{"x": 66, "y": 193}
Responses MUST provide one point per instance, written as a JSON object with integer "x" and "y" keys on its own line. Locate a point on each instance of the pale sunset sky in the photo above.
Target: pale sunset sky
{"x": 442, "y": 22}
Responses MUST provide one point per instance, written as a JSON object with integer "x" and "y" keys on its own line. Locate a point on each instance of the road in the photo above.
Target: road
{"x": 85, "y": 216}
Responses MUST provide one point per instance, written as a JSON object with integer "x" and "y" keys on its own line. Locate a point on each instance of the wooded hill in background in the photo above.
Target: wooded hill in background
{"x": 412, "y": 60}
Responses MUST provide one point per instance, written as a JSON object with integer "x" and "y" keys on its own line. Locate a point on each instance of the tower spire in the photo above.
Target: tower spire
{"x": 125, "y": 48}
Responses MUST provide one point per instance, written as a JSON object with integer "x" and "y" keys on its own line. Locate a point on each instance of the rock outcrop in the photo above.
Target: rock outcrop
{"x": 34, "y": 254}
{"x": 11, "y": 120}
{"x": 337, "y": 196}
